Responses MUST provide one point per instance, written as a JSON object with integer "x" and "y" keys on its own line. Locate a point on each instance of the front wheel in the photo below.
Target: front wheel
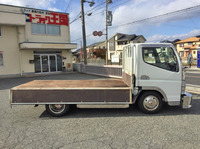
{"x": 57, "y": 109}
{"x": 150, "y": 102}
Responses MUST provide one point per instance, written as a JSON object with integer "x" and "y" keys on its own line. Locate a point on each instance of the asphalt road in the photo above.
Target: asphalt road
{"x": 193, "y": 77}
{"x": 30, "y": 127}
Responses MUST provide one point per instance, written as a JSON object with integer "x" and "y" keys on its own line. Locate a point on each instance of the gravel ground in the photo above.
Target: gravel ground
{"x": 29, "y": 127}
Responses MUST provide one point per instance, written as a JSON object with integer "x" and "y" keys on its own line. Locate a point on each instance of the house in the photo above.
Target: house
{"x": 34, "y": 41}
{"x": 118, "y": 41}
{"x": 96, "y": 50}
{"x": 172, "y": 42}
{"x": 188, "y": 45}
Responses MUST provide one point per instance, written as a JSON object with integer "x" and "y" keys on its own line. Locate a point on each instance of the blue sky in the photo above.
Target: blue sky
{"x": 169, "y": 27}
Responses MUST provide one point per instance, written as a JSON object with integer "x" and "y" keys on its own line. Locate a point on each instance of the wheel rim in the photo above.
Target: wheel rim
{"x": 151, "y": 103}
{"x": 57, "y": 108}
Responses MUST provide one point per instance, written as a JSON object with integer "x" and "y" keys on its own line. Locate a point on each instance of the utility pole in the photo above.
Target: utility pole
{"x": 83, "y": 31}
{"x": 106, "y": 33}
{"x": 108, "y": 23}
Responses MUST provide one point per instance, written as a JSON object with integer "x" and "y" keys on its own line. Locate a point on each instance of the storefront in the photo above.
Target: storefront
{"x": 34, "y": 41}
{"x": 48, "y": 62}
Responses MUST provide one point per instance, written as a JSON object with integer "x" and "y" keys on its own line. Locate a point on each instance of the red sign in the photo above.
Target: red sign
{"x": 95, "y": 33}
{"x": 100, "y": 33}
{"x": 55, "y": 18}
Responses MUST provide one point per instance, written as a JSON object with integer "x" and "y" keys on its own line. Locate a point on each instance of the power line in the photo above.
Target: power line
{"x": 86, "y": 36}
{"x": 76, "y": 18}
{"x": 192, "y": 21}
{"x": 96, "y": 7}
{"x": 68, "y": 5}
{"x": 81, "y": 37}
{"x": 89, "y": 11}
{"x": 158, "y": 16}
{"x": 112, "y": 7}
{"x": 120, "y": 4}
{"x": 146, "y": 19}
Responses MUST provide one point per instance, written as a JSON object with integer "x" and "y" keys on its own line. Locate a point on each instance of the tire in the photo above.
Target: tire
{"x": 150, "y": 102}
{"x": 57, "y": 109}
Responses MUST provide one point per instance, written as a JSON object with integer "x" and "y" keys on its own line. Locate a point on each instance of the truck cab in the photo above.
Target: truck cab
{"x": 157, "y": 76}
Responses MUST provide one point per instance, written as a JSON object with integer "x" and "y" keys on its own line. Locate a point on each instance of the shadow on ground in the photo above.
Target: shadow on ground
{"x": 129, "y": 112}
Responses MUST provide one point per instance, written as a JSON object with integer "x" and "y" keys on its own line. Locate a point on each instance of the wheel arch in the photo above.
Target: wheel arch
{"x": 151, "y": 89}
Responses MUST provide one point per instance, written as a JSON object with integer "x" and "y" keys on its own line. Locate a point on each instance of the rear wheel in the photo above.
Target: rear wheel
{"x": 150, "y": 102}
{"x": 57, "y": 109}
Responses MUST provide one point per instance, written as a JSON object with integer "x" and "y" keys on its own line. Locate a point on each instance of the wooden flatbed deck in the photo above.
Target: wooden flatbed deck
{"x": 67, "y": 84}
{"x": 71, "y": 91}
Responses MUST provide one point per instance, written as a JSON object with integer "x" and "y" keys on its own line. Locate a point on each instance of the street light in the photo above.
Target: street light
{"x": 91, "y": 3}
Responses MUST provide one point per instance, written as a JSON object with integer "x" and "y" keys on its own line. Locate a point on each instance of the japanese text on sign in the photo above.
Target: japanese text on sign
{"x": 54, "y": 18}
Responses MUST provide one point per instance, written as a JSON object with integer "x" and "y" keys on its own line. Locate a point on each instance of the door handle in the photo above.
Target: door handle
{"x": 144, "y": 77}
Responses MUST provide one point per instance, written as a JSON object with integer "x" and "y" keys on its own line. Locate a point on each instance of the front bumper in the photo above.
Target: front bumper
{"x": 186, "y": 100}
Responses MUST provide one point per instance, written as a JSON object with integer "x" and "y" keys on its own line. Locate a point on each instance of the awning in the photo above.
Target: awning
{"x": 49, "y": 46}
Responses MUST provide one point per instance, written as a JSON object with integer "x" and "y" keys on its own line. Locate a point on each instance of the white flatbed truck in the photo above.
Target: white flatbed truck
{"x": 151, "y": 75}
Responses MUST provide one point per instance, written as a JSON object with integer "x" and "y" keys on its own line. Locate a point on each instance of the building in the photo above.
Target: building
{"x": 172, "y": 42}
{"x": 188, "y": 45}
{"x": 34, "y": 41}
{"x": 97, "y": 50}
{"x": 118, "y": 41}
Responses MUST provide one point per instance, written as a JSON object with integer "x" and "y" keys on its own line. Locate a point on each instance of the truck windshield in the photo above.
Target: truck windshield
{"x": 162, "y": 57}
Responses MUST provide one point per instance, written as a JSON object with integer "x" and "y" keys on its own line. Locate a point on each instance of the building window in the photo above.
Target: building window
{"x": 1, "y": 58}
{"x": 194, "y": 52}
{"x": 181, "y": 53}
{"x": 122, "y": 42}
{"x": 38, "y": 28}
{"x": 53, "y": 29}
{"x": 181, "y": 45}
{"x": 111, "y": 44}
{"x": 190, "y": 43}
{"x": 45, "y": 29}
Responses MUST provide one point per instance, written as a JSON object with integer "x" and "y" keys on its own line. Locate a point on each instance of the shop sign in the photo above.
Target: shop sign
{"x": 51, "y": 18}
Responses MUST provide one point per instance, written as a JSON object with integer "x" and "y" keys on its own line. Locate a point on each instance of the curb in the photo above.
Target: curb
{"x": 188, "y": 70}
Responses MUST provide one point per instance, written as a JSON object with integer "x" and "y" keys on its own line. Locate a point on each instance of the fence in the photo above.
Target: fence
{"x": 107, "y": 70}
{"x": 96, "y": 62}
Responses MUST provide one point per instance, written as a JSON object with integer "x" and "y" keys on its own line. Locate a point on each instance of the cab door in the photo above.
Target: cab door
{"x": 159, "y": 68}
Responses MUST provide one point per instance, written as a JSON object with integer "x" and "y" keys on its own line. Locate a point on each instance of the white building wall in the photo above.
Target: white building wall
{"x": 27, "y": 67}
{"x": 15, "y": 30}
{"x": 10, "y": 48}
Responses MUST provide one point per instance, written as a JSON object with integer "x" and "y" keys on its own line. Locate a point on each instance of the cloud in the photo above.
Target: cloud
{"x": 158, "y": 38}
{"x": 142, "y": 9}
{"x": 40, "y": 4}
{"x": 137, "y": 10}
{"x": 130, "y": 11}
{"x": 54, "y": 9}
{"x": 11, "y": 2}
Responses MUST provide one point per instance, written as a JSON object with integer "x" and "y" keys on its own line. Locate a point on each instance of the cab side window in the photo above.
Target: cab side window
{"x": 162, "y": 57}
